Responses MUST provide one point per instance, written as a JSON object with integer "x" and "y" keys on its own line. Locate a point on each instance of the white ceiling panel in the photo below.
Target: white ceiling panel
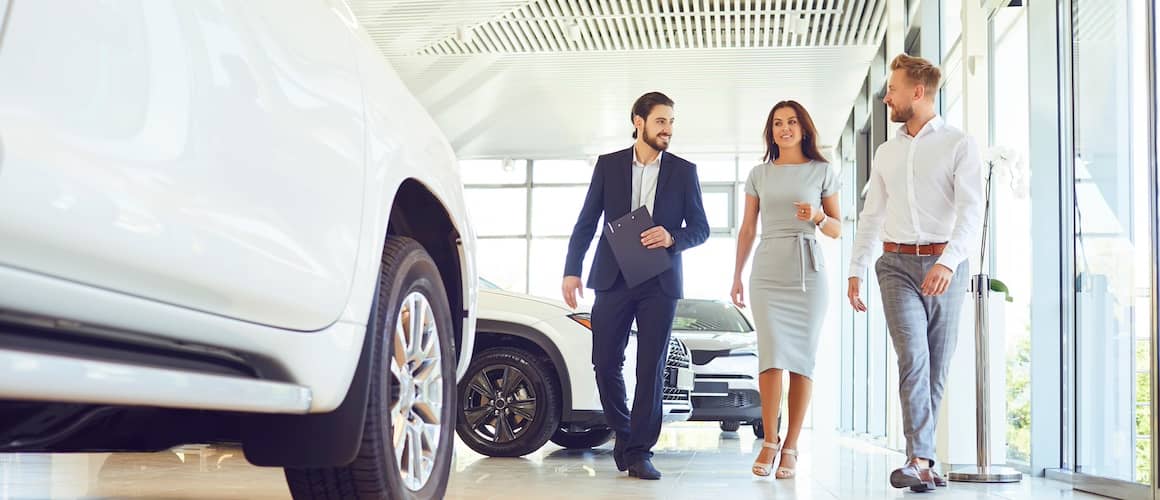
{"x": 556, "y": 78}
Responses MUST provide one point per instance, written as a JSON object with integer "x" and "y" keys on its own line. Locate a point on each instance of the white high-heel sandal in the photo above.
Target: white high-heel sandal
{"x": 763, "y": 469}
{"x": 786, "y": 472}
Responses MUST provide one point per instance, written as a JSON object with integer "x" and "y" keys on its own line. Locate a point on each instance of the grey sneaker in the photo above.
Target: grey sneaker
{"x": 911, "y": 476}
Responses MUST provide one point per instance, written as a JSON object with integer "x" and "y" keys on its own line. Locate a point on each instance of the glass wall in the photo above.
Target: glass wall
{"x": 524, "y": 210}
{"x": 1011, "y": 247}
{"x": 1113, "y": 300}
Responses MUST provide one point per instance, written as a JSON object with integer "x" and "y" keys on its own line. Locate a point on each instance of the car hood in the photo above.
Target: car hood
{"x": 502, "y": 305}
{"x": 717, "y": 341}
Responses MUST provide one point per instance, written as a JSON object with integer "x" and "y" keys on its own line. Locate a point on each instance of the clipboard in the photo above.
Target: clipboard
{"x": 637, "y": 263}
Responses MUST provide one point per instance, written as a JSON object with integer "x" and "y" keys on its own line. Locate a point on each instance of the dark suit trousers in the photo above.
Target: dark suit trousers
{"x": 612, "y": 316}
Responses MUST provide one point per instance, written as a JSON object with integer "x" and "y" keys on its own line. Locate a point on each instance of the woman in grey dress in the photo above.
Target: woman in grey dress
{"x": 795, "y": 192}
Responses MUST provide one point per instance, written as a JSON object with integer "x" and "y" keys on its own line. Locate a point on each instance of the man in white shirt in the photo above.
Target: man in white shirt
{"x": 925, "y": 204}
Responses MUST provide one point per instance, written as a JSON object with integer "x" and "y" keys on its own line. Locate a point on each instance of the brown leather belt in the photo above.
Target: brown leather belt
{"x": 908, "y": 249}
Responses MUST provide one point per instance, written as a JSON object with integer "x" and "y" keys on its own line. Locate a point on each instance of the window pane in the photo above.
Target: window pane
{"x": 717, "y": 208}
{"x": 709, "y": 269}
{"x": 503, "y": 262}
{"x": 561, "y": 171}
{"x": 1113, "y": 240}
{"x": 554, "y": 210}
{"x": 952, "y": 94}
{"x": 547, "y": 268}
{"x": 715, "y": 168}
{"x": 952, "y": 24}
{"x": 493, "y": 171}
{"x": 1012, "y": 237}
{"x": 497, "y": 211}
{"x": 709, "y": 316}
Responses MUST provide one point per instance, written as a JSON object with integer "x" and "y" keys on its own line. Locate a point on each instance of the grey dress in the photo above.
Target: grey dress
{"x": 787, "y": 288}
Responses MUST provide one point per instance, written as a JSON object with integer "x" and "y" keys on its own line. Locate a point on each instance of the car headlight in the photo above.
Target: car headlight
{"x": 585, "y": 319}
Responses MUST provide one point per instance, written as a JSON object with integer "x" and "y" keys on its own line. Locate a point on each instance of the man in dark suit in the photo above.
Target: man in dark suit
{"x": 667, "y": 185}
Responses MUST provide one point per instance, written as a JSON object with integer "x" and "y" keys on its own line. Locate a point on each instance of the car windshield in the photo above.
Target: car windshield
{"x": 709, "y": 316}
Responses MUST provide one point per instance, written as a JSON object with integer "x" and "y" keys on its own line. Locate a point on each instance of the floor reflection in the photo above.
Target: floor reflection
{"x": 698, "y": 460}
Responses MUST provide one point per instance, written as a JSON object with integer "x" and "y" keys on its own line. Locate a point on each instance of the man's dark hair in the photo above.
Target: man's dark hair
{"x": 645, "y": 104}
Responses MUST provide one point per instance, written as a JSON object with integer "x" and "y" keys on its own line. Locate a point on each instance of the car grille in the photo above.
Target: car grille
{"x": 679, "y": 357}
{"x": 701, "y": 357}
{"x": 735, "y": 399}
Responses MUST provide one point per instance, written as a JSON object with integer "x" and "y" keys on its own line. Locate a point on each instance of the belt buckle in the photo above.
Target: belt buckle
{"x": 918, "y": 251}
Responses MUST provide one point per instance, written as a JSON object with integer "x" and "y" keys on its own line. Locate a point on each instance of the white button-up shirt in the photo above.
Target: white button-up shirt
{"x": 644, "y": 181}
{"x": 923, "y": 189}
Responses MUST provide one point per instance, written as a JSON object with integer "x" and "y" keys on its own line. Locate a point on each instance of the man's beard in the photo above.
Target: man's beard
{"x": 654, "y": 142}
{"x": 899, "y": 115}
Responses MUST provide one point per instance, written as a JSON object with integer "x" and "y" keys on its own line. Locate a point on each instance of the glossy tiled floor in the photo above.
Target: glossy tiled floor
{"x": 699, "y": 462}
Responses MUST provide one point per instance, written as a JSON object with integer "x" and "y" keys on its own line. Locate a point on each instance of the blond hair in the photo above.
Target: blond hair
{"x": 919, "y": 71}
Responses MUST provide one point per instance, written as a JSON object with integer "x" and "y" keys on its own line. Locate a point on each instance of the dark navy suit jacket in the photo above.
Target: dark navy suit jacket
{"x": 677, "y": 207}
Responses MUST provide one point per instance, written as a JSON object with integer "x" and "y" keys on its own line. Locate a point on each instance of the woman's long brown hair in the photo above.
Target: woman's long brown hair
{"x": 809, "y": 133}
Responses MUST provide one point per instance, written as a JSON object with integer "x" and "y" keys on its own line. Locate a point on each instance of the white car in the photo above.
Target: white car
{"x": 531, "y": 378}
{"x": 228, "y": 222}
{"x": 724, "y": 352}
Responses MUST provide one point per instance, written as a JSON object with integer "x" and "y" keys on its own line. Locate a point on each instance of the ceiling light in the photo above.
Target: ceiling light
{"x": 573, "y": 32}
{"x": 464, "y": 34}
{"x": 801, "y": 25}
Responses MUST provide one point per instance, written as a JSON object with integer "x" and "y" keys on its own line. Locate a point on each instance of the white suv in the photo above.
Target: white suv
{"x": 531, "y": 378}
{"x": 228, "y": 222}
{"x": 724, "y": 351}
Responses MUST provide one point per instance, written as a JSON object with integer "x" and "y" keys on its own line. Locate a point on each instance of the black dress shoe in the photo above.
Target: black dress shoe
{"x": 644, "y": 469}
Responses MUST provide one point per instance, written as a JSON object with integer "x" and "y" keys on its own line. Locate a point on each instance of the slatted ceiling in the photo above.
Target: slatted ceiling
{"x": 428, "y": 27}
{"x": 405, "y": 26}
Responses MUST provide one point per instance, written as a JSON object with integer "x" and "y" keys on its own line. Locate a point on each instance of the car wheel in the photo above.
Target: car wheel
{"x": 509, "y": 403}
{"x": 590, "y": 438}
{"x": 406, "y": 446}
{"x": 730, "y": 425}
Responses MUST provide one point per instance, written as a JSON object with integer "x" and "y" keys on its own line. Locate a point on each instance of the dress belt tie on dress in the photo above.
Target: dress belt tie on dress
{"x": 806, "y": 243}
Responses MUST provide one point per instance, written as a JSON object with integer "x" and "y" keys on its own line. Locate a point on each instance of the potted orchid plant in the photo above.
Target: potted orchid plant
{"x": 1004, "y": 166}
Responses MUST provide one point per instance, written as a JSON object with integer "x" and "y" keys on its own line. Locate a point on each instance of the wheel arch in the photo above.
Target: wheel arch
{"x": 495, "y": 333}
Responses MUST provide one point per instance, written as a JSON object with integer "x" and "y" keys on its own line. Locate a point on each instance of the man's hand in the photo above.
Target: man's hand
{"x": 854, "y": 292}
{"x": 657, "y": 237}
{"x": 937, "y": 280}
{"x": 570, "y": 287}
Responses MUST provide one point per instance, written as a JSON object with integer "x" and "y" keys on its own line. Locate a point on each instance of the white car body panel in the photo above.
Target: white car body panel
{"x": 742, "y": 362}
{"x": 400, "y": 134}
{"x": 214, "y": 174}
{"x": 207, "y": 157}
{"x": 37, "y": 376}
{"x": 322, "y": 361}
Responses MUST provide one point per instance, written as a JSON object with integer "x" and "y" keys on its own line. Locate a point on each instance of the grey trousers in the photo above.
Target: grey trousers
{"x": 924, "y": 331}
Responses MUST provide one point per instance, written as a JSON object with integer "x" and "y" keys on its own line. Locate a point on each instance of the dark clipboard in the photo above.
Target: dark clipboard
{"x": 636, "y": 262}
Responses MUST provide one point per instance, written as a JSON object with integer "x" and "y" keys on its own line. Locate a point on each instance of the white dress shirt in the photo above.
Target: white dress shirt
{"x": 923, "y": 189}
{"x": 644, "y": 181}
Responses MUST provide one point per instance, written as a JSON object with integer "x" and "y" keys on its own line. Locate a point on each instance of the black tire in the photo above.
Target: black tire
{"x": 590, "y": 438}
{"x": 759, "y": 429}
{"x": 375, "y": 473}
{"x": 479, "y": 398}
{"x": 730, "y": 425}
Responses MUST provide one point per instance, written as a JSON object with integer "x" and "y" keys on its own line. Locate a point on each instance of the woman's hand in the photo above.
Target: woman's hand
{"x": 738, "y": 294}
{"x": 806, "y": 212}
